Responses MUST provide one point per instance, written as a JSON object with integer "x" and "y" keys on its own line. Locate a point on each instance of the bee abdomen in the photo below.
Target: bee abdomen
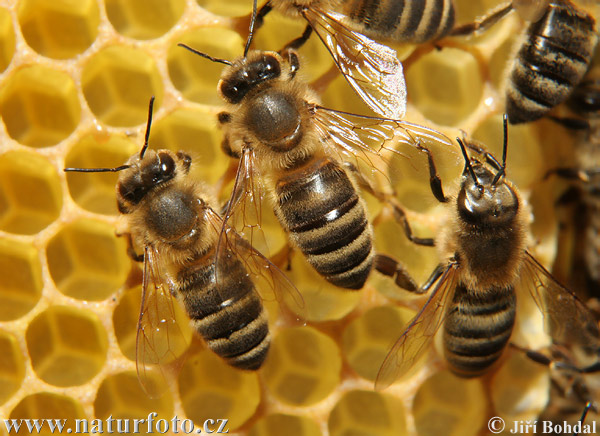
{"x": 227, "y": 313}
{"x": 327, "y": 221}
{"x": 477, "y": 329}
{"x": 552, "y": 60}
{"x": 403, "y": 20}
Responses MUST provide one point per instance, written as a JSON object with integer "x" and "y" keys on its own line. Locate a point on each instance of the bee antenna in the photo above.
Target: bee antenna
{"x": 502, "y": 170}
{"x": 97, "y": 170}
{"x": 148, "y": 124}
{"x": 252, "y": 24}
{"x": 204, "y": 55}
{"x": 468, "y": 163}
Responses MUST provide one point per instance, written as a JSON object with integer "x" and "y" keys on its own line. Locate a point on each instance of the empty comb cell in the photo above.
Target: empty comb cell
{"x": 67, "y": 346}
{"x": 117, "y": 83}
{"x": 21, "y": 286}
{"x": 144, "y": 19}
{"x": 59, "y": 29}
{"x": 40, "y": 106}
{"x": 87, "y": 260}
{"x": 30, "y": 192}
{"x": 12, "y": 365}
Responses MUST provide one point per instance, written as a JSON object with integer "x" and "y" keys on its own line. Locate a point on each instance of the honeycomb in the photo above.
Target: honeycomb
{"x": 76, "y": 77}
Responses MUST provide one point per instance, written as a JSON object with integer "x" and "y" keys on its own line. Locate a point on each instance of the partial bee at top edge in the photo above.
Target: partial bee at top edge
{"x": 171, "y": 225}
{"x": 473, "y": 292}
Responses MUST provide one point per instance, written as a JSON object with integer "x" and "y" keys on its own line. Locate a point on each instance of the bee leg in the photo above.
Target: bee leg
{"x": 130, "y": 250}
{"x": 571, "y": 174}
{"x": 262, "y": 12}
{"x": 434, "y": 277}
{"x": 484, "y": 22}
{"x": 298, "y": 42}
{"x": 399, "y": 213}
{"x": 392, "y": 268}
{"x": 435, "y": 182}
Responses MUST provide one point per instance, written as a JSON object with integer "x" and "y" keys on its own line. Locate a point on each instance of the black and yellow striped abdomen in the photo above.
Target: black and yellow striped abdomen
{"x": 227, "y": 313}
{"x": 553, "y": 59}
{"x": 320, "y": 209}
{"x": 402, "y": 20}
{"x": 477, "y": 328}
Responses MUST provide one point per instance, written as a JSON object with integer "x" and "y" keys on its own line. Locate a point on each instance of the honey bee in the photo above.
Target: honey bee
{"x": 584, "y": 195}
{"x": 173, "y": 221}
{"x": 304, "y": 155}
{"x": 556, "y": 51}
{"x": 474, "y": 297}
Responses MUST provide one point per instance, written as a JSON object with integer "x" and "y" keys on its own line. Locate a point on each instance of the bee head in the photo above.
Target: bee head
{"x": 485, "y": 197}
{"x": 150, "y": 172}
{"x": 249, "y": 73}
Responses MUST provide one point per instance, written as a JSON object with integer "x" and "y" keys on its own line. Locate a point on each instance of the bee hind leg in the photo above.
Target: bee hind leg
{"x": 390, "y": 267}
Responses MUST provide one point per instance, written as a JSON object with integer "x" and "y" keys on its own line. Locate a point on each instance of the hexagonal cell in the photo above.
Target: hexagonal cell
{"x": 87, "y": 261}
{"x": 30, "y": 192}
{"x": 520, "y": 389}
{"x": 59, "y": 29}
{"x": 118, "y": 82}
{"x": 232, "y": 8}
{"x": 121, "y": 396}
{"x": 195, "y": 76}
{"x": 7, "y": 39}
{"x": 67, "y": 346}
{"x": 143, "y": 19}
{"x": 40, "y": 106}
{"x": 446, "y": 404}
{"x": 367, "y": 413}
{"x": 446, "y": 86}
{"x": 323, "y": 301}
{"x": 46, "y": 405}
{"x": 281, "y": 424}
{"x": 303, "y": 366}
{"x": 196, "y": 132}
{"x": 22, "y": 283}
{"x": 169, "y": 343}
{"x": 211, "y": 389}
{"x": 12, "y": 365}
{"x": 96, "y": 191}
{"x": 366, "y": 340}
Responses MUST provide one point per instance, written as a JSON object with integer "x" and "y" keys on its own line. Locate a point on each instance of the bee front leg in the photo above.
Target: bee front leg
{"x": 390, "y": 267}
{"x": 130, "y": 250}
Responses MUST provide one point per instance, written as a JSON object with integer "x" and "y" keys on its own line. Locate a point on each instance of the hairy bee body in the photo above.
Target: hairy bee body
{"x": 552, "y": 60}
{"x": 318, "y": 206}
{"x": 488, "y": 241}
{"x": 314, "y": 196}
{"x": 167, "y": 215}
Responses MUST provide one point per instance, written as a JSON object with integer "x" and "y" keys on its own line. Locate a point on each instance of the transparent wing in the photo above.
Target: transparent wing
{"x": 567, "y": 319}
{"x": 372, "y": 69}
{"x": 160, "y": 340}
{"x": 244, "y": 209}
{"x": 371, "y": 141}
{"x": 270, "y": 281}
{"x": 415, "y": 339}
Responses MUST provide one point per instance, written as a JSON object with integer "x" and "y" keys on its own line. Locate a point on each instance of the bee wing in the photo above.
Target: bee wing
{"x": 567, "y": 319}
{"x": 369, "y": 140}
{"x": 244, "y": 209}
{"x": 415, "y": 339}
{"x": 257, "y": 265}
{"x": 159, "y": 339}
{"x": 372, "y": 69}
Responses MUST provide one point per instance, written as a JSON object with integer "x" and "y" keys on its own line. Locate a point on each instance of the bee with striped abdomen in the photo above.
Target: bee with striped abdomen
{"x": 172, "y": 226}
{"x": 298, "y": 151}
{"x": 474, "y": 291}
